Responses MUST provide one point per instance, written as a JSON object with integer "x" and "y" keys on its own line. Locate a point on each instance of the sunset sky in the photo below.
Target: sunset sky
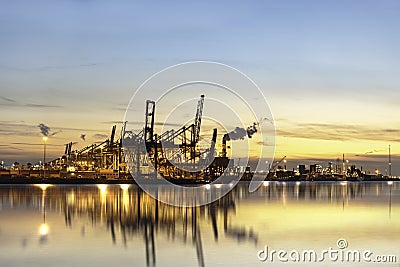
{"x": 329, "y": 69}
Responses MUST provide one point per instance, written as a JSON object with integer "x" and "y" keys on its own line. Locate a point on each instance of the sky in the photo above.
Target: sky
{"x": 329, "y": 69}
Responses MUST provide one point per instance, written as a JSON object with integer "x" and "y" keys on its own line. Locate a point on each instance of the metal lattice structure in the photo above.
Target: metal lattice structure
{"x": 173, "y": 154}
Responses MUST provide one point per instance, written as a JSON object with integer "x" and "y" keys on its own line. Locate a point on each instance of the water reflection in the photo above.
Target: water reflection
{"x": 390, "y": 183}
{"x": 133, "y": 219}
{"x": 44, "y": 228}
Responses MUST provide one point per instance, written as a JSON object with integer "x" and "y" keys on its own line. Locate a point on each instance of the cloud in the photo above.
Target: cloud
{"x": 261, "y": 143}
{"x": 33, "y": 144}
{"x": 90, "y": 64}
{"x": 119, "y": 108}
{"x": 22, "y": 129}
{"x": 265, "y": 119}
{"x": 141, "y": 123}
{"x": 7, "y": 99}
{"x": 32, "y": 105}
{"x": 112, "y": 122}
{"x": 49, "y": 67}
{"x": 10, "y": 147}
{"x": 12, "y": 68}
{"x": 61, "y": 67}
{"x": 166, "y": 124}
{"x": 373, "y": 151}
{"x": 341, "y": 132}
{"x": 54, "y": 133}
{"x": 100, "y": 136}
{"x": 17, "y": 129}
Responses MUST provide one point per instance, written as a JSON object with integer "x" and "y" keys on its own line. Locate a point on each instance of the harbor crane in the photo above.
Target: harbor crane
{"x": 276, "y": 164}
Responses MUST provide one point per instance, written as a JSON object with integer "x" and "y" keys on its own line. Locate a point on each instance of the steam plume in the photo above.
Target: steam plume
{"x": 44, "y": 129}
{"x": 240, "y": 133}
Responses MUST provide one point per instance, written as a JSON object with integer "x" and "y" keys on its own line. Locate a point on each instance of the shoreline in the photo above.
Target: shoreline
{"x": 79, "y": 181}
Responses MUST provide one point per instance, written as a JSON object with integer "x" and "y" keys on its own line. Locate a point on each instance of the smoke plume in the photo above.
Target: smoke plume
{"x": 240, "y": 133}
{"x": 53, "y": 134}
{"x": 44, "y": 129}
{"x": 251, "y": 130}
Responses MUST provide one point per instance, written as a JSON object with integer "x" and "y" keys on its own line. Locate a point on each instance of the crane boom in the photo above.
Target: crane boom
{"x": 197, "y": 122}
{"x": 273, "y": 166}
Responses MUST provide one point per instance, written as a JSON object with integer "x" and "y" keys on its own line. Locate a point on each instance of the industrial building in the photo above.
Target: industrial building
{"x": 174, "y": 154}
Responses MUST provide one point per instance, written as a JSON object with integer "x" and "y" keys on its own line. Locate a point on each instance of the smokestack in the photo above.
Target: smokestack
{"x": 238, "y": 134}
{"x": 112, "y": 136}
{"x": 214, "y": 141}
{"x": 69, "y": 149}
{"x": 226, "y": 137}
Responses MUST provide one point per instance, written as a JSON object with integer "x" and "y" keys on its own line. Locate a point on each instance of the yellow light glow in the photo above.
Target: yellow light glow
{"x": 44, "y": 229}
{"x": 71, "y": 198}
{"x": 102, "y": 187}
{"x": 45, "y": 138}
{"x": 103, "y": 192}
{"x": 43, "y": 186}
{"x": 124, "y": 186}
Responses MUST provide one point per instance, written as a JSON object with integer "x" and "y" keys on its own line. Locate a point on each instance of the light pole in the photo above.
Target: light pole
{"x": 45, "y": 138}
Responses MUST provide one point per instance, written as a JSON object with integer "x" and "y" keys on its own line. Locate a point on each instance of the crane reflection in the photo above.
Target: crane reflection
{"x": 126, "y": 212}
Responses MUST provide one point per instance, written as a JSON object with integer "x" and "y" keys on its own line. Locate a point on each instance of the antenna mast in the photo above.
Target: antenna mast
{"x": 390, "y": 163}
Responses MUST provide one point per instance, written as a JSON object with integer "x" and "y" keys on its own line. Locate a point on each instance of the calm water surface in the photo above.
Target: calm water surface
{"x": 113, "y": 225}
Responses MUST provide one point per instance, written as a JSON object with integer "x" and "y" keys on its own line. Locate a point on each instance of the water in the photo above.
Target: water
{"x": 100, "y": 225}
